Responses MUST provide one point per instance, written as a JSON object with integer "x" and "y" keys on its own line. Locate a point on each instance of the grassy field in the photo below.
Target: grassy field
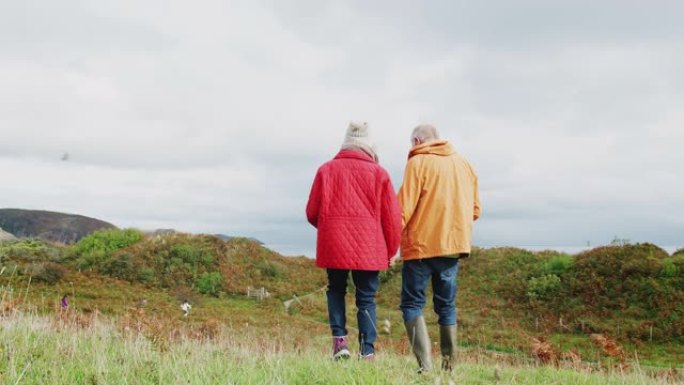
{"x": 524, "y": 318}
{"x": 92, "y": 349}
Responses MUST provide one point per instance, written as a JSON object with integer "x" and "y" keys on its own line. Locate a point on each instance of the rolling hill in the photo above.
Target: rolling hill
{"x": 48, "y": 225}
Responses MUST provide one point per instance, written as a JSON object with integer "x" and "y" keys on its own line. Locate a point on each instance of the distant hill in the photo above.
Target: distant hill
{"x": 49, "y": 226}
{"x": 230, "y": 238}
{"x": 5, "y": 236}
{"x": 223, "y": 237}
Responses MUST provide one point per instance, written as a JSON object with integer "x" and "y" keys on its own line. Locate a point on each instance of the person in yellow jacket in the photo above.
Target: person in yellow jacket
{"x": 440, "y": 201}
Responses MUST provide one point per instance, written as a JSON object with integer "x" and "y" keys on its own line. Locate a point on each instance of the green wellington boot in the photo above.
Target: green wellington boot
{"x": 447, "y": 344}
{"x": 420, "y": 342}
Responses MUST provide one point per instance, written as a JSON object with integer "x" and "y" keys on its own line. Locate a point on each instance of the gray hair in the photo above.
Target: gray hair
{"x": 425, "y": 133}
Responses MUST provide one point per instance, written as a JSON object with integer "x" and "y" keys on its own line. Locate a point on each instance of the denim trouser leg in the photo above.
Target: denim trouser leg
{"x": 366, "y": 283}
{"x": 443, "y": 273}
{"x": 337, "y": 288}
{"x": 414, "y": 277}
{"x": 444, "y": 290}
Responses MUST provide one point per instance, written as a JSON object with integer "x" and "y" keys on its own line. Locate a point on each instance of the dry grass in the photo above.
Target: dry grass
{"x": 608, "y": 346}
{"x": 544, "y": 351}
{"x": 73, "y": 348}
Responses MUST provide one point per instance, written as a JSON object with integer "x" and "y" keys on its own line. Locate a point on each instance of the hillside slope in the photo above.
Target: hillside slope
{"x": 509, "y": 299}
{"x": 48, "y": 225}
{"x": 178, "y": 262}
{"x": 5, "y": 236}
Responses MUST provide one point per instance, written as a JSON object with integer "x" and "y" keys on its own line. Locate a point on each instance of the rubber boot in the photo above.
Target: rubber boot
{"x": 447, "y": 345}
{"x": 420, "y": 342}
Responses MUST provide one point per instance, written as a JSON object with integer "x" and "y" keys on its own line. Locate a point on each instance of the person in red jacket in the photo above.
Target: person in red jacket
{"x": 356, "y": 211}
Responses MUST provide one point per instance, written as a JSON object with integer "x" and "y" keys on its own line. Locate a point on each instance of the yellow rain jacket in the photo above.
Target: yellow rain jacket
{"x": 439, "y": 202}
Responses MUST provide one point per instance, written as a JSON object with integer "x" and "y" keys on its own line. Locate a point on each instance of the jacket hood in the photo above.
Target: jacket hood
{"x": 436, "y": 147}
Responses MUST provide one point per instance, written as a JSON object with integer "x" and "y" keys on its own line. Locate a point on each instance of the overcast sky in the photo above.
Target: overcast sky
{"x": 213, "y": 116}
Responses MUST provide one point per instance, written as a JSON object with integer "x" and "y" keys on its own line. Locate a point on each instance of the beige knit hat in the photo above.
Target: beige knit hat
{"x": 357, "y": 138}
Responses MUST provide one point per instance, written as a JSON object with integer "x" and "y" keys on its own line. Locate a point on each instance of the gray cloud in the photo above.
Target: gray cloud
{"x": 213, "y": 117}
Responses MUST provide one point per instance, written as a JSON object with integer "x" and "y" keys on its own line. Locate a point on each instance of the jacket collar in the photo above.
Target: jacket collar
{"x": 354, "y": 154}
{"x": 436, "y": 147}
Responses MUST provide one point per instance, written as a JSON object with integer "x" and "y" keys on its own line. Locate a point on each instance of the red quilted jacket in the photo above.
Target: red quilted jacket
{"x": 353, "y": 205}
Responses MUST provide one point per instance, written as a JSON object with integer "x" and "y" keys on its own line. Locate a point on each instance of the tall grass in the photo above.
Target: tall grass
{"x": 60, "y": 349}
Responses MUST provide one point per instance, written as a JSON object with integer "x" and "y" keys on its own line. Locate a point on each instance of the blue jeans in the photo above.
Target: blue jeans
{"x": 414, "y": 277}
{"x": 366, "y": 283}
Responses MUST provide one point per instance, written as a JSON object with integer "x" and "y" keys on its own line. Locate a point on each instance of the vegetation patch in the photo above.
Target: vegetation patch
{"x": 508, "y": 297}
{"x": 98, "y": 248}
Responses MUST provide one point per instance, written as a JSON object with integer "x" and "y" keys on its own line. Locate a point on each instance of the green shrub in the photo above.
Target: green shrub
{"x": 146, "y": 275}
{"x": 269, "y": 269}
{"x": 515, "y": 269}
{"x": 186, "y": 252}
{"x": 544, "y": 287}
{"x": 209, "y": 283}
{"x": 610, "y": 277}
{"x": 29, "y": 250}
{"x": 48, "y": 272}
{"x": 196, "y": 251}
{"x": 558, "y": 265}
{"x": 98, "y": 248}
{"x": 669, "y": 268}
{"x": 163, "y": 261}
{"x": 120, "y": 266}
{"x": 678, "y": 261}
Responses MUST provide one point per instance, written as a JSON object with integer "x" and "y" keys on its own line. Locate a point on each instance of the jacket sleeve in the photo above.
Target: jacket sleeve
{"x": 314, "y": 203}
{"x": 390, "y": 218}
{"x": 476, "y": 200}
{"x": 409, "y": 192}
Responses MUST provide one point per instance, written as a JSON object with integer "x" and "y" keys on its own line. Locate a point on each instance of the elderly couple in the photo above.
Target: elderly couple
{"x": 361, "y": 223}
